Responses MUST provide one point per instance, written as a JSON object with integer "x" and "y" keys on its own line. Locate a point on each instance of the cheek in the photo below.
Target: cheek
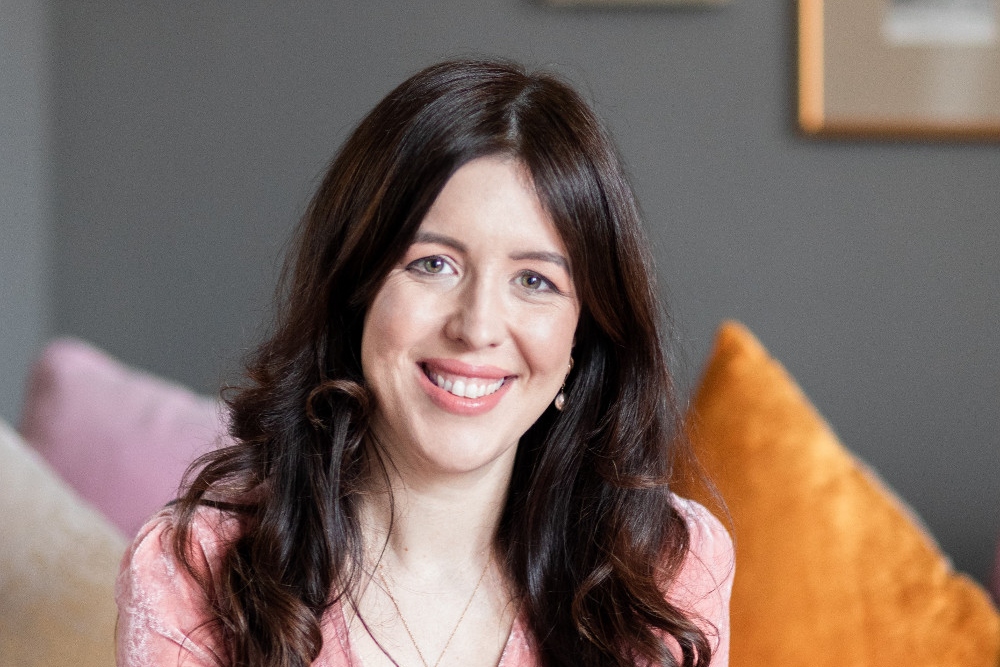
{"x": 382, "y": 334}
{"x": 394, "y": 323}
{"x": 548, "y": 344}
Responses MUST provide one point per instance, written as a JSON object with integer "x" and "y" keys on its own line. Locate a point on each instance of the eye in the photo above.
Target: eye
{"x": 432, "y": 265}
{"x": 534, "y": 282}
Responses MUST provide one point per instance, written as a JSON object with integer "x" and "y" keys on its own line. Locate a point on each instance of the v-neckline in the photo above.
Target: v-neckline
{"x": 339, "y": 622}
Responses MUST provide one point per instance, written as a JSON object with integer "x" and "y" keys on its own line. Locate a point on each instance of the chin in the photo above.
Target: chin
{"x": 467, "y": 457}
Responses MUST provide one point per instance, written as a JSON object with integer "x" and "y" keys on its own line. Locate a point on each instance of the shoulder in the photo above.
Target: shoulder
{"x": 704, "y": 584}
{"x": 710, "y": 542}
{"x": 710, "y": 562}
{"x": 162, "y": 608}
{"x": 152, "y": 549}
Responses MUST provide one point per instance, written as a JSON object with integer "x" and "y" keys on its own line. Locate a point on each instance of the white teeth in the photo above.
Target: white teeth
{"x": 466, "y": 387}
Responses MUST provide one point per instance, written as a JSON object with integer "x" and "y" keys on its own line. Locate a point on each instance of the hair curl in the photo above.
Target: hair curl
{"x": 589, "y": 534}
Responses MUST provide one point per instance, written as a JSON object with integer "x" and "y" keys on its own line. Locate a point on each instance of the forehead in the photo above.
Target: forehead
{"x": 492, "y": 202}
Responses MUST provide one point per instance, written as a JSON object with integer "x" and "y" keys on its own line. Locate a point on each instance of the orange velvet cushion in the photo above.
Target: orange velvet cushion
{"x": 831, "y": 568}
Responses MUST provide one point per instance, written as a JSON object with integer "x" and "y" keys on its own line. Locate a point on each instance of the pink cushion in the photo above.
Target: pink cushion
{"x": 120, "y": 437}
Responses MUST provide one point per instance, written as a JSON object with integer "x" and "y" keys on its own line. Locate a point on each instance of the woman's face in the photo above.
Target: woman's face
{"x": 468, "y": 340}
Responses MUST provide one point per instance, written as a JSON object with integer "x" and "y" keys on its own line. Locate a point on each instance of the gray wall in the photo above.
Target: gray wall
{"x": 25, "y": 194}
{"x": 190, "y": 134}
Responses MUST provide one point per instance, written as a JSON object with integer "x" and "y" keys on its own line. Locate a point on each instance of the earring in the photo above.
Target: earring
{"x": 560, "y": 401}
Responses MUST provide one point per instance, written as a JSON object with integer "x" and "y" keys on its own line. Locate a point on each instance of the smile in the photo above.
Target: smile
{"x": 464, "y": 387}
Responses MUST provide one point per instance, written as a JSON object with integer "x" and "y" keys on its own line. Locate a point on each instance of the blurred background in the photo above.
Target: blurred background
{"x": 155, "y": 156}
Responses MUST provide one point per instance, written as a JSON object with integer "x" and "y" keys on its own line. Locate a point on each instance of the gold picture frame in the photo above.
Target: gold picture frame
{"x": 636, "y": 3}
{"x": 923, "y": 69}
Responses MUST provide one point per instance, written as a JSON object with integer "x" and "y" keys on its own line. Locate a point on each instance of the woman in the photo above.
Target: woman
{"x": 455, "y": 448}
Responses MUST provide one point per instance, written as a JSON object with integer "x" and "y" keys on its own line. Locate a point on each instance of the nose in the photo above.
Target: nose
{"x": 478, "y": 318}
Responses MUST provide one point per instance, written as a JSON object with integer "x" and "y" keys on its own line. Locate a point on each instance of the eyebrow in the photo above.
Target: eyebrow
{"x": 537, "y": 255}
{"x": 542, "y": 256}
{"x": 440, "y": 239}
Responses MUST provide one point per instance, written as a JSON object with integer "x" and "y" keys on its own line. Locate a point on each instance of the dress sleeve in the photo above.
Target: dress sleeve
{"x": 705, "y": 582}
{"x": 164, "y": 619}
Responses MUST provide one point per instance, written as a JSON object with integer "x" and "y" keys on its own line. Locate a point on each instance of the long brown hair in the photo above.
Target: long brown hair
{"x": 589, "y": 535}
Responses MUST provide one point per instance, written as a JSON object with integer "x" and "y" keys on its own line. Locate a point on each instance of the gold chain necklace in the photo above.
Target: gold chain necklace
{"x": 413, "y": 640}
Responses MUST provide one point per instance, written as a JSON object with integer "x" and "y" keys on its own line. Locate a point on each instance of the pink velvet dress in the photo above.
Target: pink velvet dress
{"x": 163, "y": 614}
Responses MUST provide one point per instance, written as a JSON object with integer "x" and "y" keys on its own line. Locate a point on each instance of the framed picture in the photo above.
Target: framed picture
{"x": 636, "y": 3}
{"x": 899, "y": 68}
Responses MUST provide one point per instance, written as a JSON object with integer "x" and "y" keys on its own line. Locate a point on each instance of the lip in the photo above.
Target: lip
{"x": 455, "y": 367}
{"x": 456, "y": 404}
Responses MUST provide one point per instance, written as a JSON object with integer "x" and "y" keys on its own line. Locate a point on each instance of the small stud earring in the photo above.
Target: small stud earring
{"x": 560, "y": 401}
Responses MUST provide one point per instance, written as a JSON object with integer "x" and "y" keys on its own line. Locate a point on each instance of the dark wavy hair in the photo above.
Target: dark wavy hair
{"x": 589, "y": 535}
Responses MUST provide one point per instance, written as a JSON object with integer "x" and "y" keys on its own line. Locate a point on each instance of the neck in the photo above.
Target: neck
{"x": 428, "y": 528}
{"x": 432, "y": 587}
